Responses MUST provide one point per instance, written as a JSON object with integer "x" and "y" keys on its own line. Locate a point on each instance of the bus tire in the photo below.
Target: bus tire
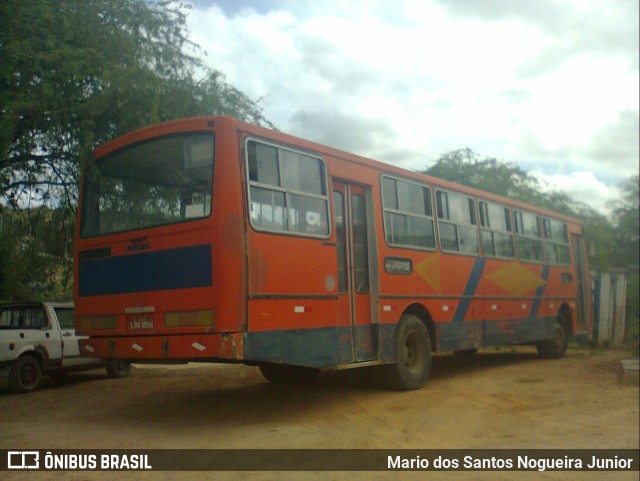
{"x": 556, "y": 347}
{"x": 412, "y": 351}
{"x": 25, "y": 374}
{"x": 117, "y": 368}
{"x": 287, "y": 374}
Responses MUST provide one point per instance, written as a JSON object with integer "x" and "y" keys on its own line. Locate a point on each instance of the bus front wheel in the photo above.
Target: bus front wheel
{"x": 556, "y": 347}
{"x": 412, "y": 347}
{"x": 285, "y": 373}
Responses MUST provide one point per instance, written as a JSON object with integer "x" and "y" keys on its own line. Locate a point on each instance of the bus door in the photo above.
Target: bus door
{"x": 581, "y": 273}
{"x": 357, "y": 339}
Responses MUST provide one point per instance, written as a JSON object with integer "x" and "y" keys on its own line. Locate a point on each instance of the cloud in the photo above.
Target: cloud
{"x": 347, "y": 131}
{"x": 232, "y": 8}
{"x": 616, "y": 145}
{"x": 582, "y": 186}
{"x": 571, "y": 28}
{"x": 610, "y": 154}
{"x": 549, "y": 86}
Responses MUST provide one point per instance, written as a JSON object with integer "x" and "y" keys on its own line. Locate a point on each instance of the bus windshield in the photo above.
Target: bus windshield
{"x": 157, "y": 182}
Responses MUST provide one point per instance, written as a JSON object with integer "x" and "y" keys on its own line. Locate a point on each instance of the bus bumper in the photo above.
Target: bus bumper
{"x": 169, "y": 348}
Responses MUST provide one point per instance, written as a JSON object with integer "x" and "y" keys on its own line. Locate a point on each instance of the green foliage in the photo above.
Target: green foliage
{"x": 465, "y": 167}
{"x": 604, "y": 250}
{"x": 78, "y": 73}
{"x": 633, "y": 307}
{"x": 626, "y": 218}
{"x": 75, "y": 74}
{"x": 36, "y": 261}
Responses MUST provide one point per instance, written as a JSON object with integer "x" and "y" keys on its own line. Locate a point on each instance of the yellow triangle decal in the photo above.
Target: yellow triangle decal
{"x": 429, "y": 270}
{"x": 515, "y": 279}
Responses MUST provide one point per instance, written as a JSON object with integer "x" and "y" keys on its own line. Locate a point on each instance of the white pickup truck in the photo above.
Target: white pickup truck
{"x": 39, "y": 338}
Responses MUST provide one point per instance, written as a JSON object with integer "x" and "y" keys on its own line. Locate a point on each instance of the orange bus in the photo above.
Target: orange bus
{"x": 210, "y": 239}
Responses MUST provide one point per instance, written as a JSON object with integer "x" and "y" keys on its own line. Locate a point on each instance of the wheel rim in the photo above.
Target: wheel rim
{"x": 413, "y": 353}
{"x": 28, "y": 375}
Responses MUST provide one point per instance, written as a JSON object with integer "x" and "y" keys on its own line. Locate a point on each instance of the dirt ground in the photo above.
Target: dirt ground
{"x": 504, "y": 398}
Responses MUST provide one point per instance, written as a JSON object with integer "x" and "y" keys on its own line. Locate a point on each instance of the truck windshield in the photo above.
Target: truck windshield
{"x": 156, "y": 182}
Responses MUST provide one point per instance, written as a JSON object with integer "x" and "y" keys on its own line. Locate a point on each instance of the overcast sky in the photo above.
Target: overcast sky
{"x": 551, "y": 85}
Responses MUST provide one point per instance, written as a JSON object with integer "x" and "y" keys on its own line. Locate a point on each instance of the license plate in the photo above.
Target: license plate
{"x": 141, "y": 324}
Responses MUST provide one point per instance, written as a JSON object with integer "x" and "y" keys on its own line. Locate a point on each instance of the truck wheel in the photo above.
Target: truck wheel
{"x": 25, "y": 374}
{"x": 412, "y": 346}
{"x": 284, "y": 373}
{"x": 117, "y": 368}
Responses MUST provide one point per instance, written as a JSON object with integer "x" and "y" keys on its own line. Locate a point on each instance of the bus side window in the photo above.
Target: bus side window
{"x": 528, "y": 236}
{"x": 408, "y": 218}
{"x": 287, "y": 190}
{"x": 497, "y": 235}
{"x": 267, "y": 209}
{"x": 360, "y": 249}
{"x": 457, "y": 223}
{"x": 341, "y": 240}
{"x": 557, "y": 242}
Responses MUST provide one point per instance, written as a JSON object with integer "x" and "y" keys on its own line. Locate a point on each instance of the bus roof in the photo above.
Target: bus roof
{"x": 207, "y": 122}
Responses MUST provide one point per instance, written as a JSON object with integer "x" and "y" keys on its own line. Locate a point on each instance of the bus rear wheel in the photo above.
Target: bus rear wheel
{"x": 412, "y": 347}
{"x": 117, "y": 368}
{"x": 556, "y": 347}
{"x": 287, "y": 374}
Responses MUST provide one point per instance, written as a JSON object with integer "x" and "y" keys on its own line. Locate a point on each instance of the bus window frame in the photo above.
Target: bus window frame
{"x": 440, "y": 221}
{"x": 96, "y": 161}
{"x": 549, "y": 240}
{"x": 512, "y": 233}
{"x": 287, "y": 191}
{"x": 407, "y": 214}
{"x": 519, "y": 235}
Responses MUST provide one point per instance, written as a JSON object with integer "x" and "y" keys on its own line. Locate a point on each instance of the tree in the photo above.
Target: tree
{"x": 74, "y": 75}
{"x": 35, "y": 254}
{"x": 626, "y": 213}
{"x": 626, "y": 218}
{"x": 465, "y": 167}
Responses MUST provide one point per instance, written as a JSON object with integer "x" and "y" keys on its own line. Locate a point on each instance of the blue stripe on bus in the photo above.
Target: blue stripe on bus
{"x": 539, "y": 292}
{"x": 182, "y": 268}
{"x": 469, "y": 290}
{"x": 303, "y": 347}
{"x": 321, "y": 347}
